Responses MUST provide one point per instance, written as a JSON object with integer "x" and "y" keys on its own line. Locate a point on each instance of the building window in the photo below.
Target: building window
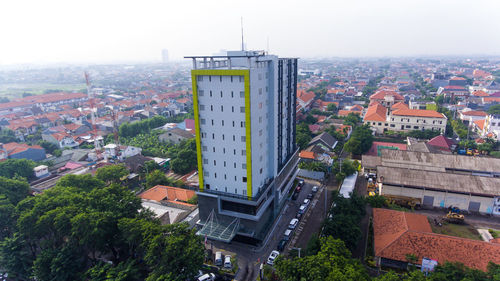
{"x": 224, "y": 163}
{"x": 260, "y": 132}
{"x": 415, "y": 127}
{"x": 242, "y": 124}
{"x": 243, "y": 152}
{"x": 234, "y": 138}
{"x": 222, "y": 122}
{"x": 267, "y": 89}
{"x": 260, "y": 119}
{"x": 408, "y": 126}
{"x": 260, "y": 91}
{"x": 203, "y": 121}
{"x": 243, "y": 138}
{"x": 225, "y": 177}
{"x": 213, "y": 149}
{"x": 260, "y": 76}
{"x": 200, "y": 93}
{"x": 223, "y": 137}
{"x": 207, "y": 186}
{"x": 220, "y": 78}
{"x": 215, "y": 175}
{"x": 241, "y": 78}
{"x": 231, "y": 81}
{"x": 234, "y": 151}
{"x": 210, "y": 93}
{"x": 213, "y": 136}
{"x": 211, "y": 108}
{"x": 232, "y": 108}
{"x": 233, "y": 123}
{"x": 200, "y": 78}
{"x": 205, "y": 173}
{"x": 221, "y": 108}
{"x": 203, "y": 135}
{"x": 392, "y": 125}
{"x": 260, "y": 105}
{"x": 385, "y": 124}
{"x": 260, "y": 171}
{"x": 202, "y": 107}
{"x": 234, "y": 165}
{"x": 215, "y": 163}
{"x": 205, "y": 161}
{"x": 244, "y": 179}
{"x": 380, "y": 124}
{"x": 204, "y": 148}
{"x": 243, "y": 166}
{"x": 242, "y": 109}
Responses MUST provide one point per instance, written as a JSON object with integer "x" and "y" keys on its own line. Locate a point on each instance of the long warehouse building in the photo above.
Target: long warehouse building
{"x": 439, "y": 180}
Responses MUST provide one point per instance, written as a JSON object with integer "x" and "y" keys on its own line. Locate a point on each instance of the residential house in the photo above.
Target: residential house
{"x": 176, "y": 135}
{"x": 16, "y": 150}
{"x": 325, "y": 140}
{"x": 168, "y": 203}
{"x": 304, "y": 99}
{"x": 469, "y": 116}
{"x": 398, "y": 234}
{"x": 62, "y": 139}
{"x": 386, "y": 98}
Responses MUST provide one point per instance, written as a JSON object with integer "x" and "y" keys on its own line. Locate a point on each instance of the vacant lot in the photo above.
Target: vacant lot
{"x": 12, "y": 91}
{"x": 458, "y": 230}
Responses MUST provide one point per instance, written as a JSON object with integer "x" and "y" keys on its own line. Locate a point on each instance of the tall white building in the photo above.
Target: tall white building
{"x": 244, "y": 105}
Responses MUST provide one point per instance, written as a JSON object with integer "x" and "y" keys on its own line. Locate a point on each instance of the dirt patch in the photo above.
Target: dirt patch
{"x": 457, "y": 230}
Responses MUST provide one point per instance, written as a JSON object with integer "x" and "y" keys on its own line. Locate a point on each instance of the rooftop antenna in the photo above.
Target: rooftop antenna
{"x": 242, "y": 42}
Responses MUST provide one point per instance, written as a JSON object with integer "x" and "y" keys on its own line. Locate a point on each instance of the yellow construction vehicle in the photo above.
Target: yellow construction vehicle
{"x": 404, "y": 201}
{"x": 454, "y": 215}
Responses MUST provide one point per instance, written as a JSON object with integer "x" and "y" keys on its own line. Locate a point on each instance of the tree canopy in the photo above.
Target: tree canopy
{"x": 303, "y": 136}
{"x": 20, "y": 167}
{"x": 361, "y": 140}
{"x": 83, "y": 230}
{"x": 494, "y": 109}
{"x": 111, "y": 174}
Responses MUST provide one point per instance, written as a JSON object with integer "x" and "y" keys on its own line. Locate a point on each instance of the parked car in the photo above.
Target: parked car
{"x": 302, "y": 209}
{"x": 306, "y": 202}
{"x": 293, "y": 223}
{"x": 301, "y": 182}
{"x": 295, "y": 195}
{"x": 287, "y": 234}
{"x": 207, "y": 277}
{"x": 298, "y": 216}
{"x": 309, "y": 196}
{"x": 298, "y": 189}
{"x": 314, "y": 189}
{"x": 227, "y": 261}
{"x": 218, "y": 258}
{"x": 282, "y": 244}
{"x": 272, "y": 257}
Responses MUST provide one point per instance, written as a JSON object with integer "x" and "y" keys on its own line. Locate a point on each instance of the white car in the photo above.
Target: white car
{"x": 314, "y": 189}
{"x": 207, "y": 277}
{"x": 306, "y": 202}
{"x": 302, "y": 209}
{"x": 293, "y": 223}
{"x": 272, "y": 257}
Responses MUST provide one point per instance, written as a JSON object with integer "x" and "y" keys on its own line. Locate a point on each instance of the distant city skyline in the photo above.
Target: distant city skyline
{"x": 57, "y": 31}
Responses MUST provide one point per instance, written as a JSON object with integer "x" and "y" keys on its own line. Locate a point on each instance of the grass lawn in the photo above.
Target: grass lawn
{"x": 458, "y": 230}
{"x": 12, "y": 91}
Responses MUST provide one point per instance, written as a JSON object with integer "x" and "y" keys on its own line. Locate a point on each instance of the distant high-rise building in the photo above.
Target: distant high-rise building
{"x": 244, "y": 105}
{"x": 164, "y": 55}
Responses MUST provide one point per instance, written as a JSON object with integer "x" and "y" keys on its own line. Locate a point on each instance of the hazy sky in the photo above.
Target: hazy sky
{"x": 103, "y": 31}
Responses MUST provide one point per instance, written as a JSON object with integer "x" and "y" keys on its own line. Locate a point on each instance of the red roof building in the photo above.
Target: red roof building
{"x": 442, "y": 142}
{"x": 398, "y": 234}
{"x": 376, "y": 112}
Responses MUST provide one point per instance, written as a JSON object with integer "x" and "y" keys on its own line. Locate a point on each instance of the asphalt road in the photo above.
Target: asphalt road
{"x": 250, "y": 257}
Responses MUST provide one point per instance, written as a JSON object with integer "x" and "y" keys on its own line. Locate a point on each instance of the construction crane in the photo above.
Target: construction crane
{"x": 93, "y": 111}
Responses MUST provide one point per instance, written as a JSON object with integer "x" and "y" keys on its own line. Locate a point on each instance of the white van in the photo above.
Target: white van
{"x": 287, "y": 234}
{"x": 227, "y": 261}
{"x": 207, "y": 277}
{"x": 218, "y": 258}
{"x": 293, "y": 223}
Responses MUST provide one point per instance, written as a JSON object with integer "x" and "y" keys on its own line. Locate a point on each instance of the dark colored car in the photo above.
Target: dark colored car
{"x": 295, "y": 196}
{"x": 281, "y": 245}
{"x": 309, "y": 196}
{"x": 301, "y": 182}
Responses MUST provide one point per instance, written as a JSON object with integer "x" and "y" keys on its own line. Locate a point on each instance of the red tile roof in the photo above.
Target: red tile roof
{"x": 380, "y": 95}
{"x": 418, "y": 113}
{"x": 346, "y": 112}
{"x": 397, "y": 234}
{"x": 399, "y": 105}
{"x": 474, "y": 113}
{"x": 491, "y": 99}
{"x": 480, "y": 124}
{"x": 14, "y": 147}
{"x": 314, "y": 127}
{"x": 305, "y": 96}
{"x": 307, "y": 154}
{"x": 455, "y": 88}
{"x": 168, "y": 193}
{"x": 376, "y": 112}
{"x": 356, "y": 107}
{"x": 441, "y": 141}
{"x": 458, "y": 78}
{"x": 480, "y": 94}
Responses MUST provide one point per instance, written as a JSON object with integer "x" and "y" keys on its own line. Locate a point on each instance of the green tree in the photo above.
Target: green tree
{"x": 7, "y": 136}
{"x": 157, "y": 177}
{"x": 13, "y": 190}
{"x": 332, "y": 262}
{"x": 352, "y": 119}
{"x": 303, "y": 136}
{"x": 20, "y": 167}
{"x": 111, "y": 174}
{"x": 331, "y": 107}
{"x": 361, "y": 140}
{"x": 48, "y": 146}
{"x": 494, "y": 109}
